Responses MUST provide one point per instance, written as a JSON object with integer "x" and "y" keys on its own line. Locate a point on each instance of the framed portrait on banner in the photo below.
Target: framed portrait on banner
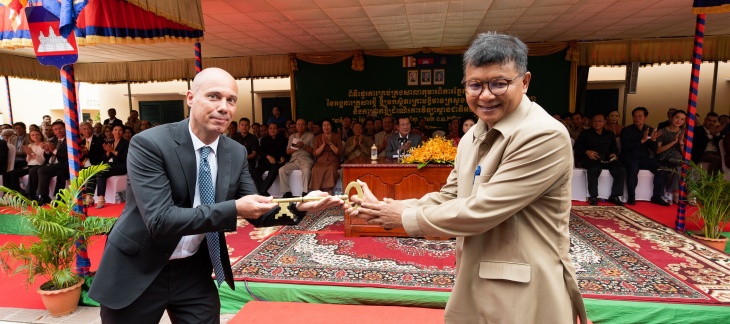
{"x": 426, "y": 77}
{"x": 438, "y": 76}
{"x": 412, "y": 77}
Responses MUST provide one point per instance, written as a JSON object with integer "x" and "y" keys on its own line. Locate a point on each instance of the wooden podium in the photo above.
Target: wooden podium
{"x": 388, "y": 178}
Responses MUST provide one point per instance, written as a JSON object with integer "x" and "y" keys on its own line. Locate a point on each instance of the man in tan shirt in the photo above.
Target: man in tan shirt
{"x": 507, "y": 201}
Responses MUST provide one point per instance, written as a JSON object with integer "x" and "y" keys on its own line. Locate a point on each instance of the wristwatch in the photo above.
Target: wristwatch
{"x": 296, "y": 212}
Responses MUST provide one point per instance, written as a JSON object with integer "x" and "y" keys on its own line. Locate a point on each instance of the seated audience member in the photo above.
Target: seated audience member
{"x": 422, "y": 129}
{"x": 638, "y": 140}
{"x": 670, "y": 150}
{"x": 453, "y": 128}
{"x": 8, "y": 135}
{"x": 299, "y": 148}
{"x": 726, "y": 145}
{"x": 21, "y": 138}
{"x": 377, "y": 126}
{"x": 56, "y": 155}
{"x": 33, "y": 127}
{"x": 128, "y": 133}
{"x": 723, "y": 121}
{"x": 613, "y": 124}
{"x": 46, "y": 119}
{"x": 369, "y": 128}
{"x": 92, "y": 146}
{"x": 576, "y": 127}
{"x": 249, "y": 141}
{"x": 232, "y": 130}
{"x": 567, "y": 119}
{"x": 256, "y": 130}
{"x": 327, "y": 149}
{"x": 291, "y": 129}
{"x": 705, "y": 147}
{"x": 358, "y": 144}
{"x": 135, "y": 122}
{"x": 33, "y": 157}
{"x": 4, "y": 151}
{"x": 108, "y": 135}
{"x": 48, "y": 132}
{"x": 272, "y": 155}
{"x": 99, "y": 130}
{"x": 596, "y": 150}
{"x": 116, "y": 156}
{"x": 264, "y": 131}
{"x": 465, "y": 123}
{"x": 664, "y": 124}
{"x": 404, "y": 139}
{"x": 586, "y": 122}
{"x": 381, "y": 138}
{"x": 310, "y": 127}
{"x": 345, "y": 130}
{"x": 144, "y": 125}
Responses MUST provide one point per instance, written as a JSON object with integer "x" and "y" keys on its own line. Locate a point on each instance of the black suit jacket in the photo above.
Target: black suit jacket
{"x": 161, "y": 168}
{"x": 121, "y": 157}
{"x": 61, "y": 152}
{"x": 96, "y": 153}
{"x": 4, "y": 151}
{"x": 699, "y": 143}
{"x": 116, "y": 121}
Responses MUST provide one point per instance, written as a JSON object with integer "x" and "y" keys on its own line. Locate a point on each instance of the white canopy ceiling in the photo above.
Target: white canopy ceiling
{"x": 268, "y": 27}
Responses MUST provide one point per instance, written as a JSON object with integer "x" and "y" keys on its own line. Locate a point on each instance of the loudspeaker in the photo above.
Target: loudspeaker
{"x": 632, "y": 73}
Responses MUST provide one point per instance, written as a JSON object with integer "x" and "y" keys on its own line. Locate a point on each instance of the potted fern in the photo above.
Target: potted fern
{"x": 56, "y": 228}
{"x": 712, "y": 193}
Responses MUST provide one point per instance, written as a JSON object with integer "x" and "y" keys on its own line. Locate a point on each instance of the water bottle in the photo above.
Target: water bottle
{"x": 373, "y": 152}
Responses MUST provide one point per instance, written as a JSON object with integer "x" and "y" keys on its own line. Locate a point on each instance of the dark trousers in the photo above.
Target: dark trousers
{"x": 184, "y": 288}
{"x": 11, "y": 179}
{"x": 32, "y": 189}
{"x": 45, "y": 173}
{"x": 594, "y": 168}
{"x": 263, "y": 184}
{"x": 632, "y": 175}
{"x": 99, "y": 182}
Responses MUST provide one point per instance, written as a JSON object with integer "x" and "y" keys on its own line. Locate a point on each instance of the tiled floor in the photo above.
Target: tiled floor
{"x": 83, "y": 315}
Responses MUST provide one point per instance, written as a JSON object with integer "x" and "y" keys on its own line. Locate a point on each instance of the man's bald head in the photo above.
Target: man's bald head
{"x": 210, "y": 74}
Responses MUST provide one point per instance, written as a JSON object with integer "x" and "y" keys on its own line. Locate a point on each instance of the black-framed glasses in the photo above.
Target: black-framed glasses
{"x": 497, "y": 87}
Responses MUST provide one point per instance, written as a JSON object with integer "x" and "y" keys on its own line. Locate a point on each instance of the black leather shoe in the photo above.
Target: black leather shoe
{"x": 287, "y": 195}
{"x": 593, "y": 201}
{"x": 631, "y": 201}
{"x": 615, "y": 200}
{"x": 659, "y": 201}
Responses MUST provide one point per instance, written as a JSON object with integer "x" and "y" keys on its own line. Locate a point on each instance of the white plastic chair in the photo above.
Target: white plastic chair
{"x": 296, "y": 182}
{"x": 114, "y": 185}
{"x": 579, "y": 185}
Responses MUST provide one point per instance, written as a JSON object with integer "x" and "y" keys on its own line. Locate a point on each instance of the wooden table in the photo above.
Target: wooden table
{"x": 388, "y": 178}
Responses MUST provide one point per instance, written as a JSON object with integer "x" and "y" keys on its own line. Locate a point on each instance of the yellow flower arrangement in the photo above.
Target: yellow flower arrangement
{"x": 435, "y": 150}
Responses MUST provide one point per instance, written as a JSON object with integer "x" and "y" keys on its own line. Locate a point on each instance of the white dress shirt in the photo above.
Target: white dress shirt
{"x": 189, "y": 244}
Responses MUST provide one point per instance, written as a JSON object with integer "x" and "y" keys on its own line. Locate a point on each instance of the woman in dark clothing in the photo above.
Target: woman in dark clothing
{"x": 116, "y": 156}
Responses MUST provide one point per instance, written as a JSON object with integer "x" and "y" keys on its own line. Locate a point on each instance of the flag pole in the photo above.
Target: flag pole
{"x": 679, "y": 224}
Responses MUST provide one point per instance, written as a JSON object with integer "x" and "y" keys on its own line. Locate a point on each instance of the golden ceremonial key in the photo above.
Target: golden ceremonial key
{"x": 284, "y": 202}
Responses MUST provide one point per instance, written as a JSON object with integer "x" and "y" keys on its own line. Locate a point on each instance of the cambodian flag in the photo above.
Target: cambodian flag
{"x": 66, "y": 10}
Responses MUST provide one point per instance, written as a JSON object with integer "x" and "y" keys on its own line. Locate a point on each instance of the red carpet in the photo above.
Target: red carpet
{"x": 635, "y": 258}
{"x": 14, "y": 292}
{"x": 257, "y": 312}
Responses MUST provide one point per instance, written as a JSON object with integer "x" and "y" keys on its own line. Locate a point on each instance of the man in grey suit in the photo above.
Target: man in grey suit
{"x": 404, "y": 139}
{"x": 157, "y": 255}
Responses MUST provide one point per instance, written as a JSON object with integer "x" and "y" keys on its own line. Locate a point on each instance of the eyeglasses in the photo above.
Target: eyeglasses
{"x": 497, "y": 87}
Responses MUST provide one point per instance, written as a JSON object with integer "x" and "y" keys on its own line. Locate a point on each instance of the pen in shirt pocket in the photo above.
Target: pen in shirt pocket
{"x": 477, "y": 173}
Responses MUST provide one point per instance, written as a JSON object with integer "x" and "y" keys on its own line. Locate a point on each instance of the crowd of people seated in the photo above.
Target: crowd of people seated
{"x": 280, "y": 146}
{"x": 318, "y": 148}
{"x": 41, "y": 154}
{"x": 623, "y": 151}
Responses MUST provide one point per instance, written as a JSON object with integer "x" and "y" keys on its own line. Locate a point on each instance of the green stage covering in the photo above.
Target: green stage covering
{"x": 599, "y": 311}
{"x": 13, "y": 224}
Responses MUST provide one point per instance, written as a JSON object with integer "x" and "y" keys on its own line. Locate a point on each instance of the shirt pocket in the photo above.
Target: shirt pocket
{"x": 500, "y": 270}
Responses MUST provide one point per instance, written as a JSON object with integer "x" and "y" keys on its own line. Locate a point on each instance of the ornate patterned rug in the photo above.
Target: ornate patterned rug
{"x": 618, "y": 254}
